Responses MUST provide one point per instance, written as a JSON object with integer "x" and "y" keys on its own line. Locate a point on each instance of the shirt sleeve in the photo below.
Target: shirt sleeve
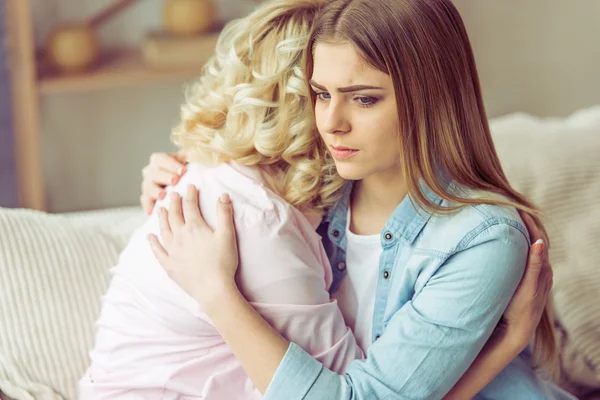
{"x": 283, "y": 273}
{"x": 431, "y": 340}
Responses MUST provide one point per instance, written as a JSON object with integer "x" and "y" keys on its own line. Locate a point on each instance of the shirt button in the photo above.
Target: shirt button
{"x": 386, "y": 274}
{"x": 388, "y": 236}
{"x": 341, "y": 266}
{"x": 335, "y": 233}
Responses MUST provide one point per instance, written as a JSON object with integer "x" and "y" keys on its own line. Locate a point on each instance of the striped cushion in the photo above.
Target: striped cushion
{"x": 555, "y": 163}
{"x": 53, "y": 272}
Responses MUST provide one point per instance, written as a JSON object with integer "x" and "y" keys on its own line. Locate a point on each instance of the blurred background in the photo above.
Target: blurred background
{"x": 93, "y": 130}
{"x": 93, "y": 133}
{"x": 90, "y": 88}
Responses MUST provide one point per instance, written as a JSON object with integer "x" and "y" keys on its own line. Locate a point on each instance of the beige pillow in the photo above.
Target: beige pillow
{"x": 556, "y": 164}
{"x": 53, "y": 272}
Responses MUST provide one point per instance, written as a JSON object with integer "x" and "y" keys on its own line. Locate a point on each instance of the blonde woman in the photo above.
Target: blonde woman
{"x": 425, "y": 239}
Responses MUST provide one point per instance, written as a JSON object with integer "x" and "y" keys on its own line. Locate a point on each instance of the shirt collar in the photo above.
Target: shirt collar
{"x": 408, "y": 219}
{"x": 340, "y": 208}
{"x": 406, "y": 222}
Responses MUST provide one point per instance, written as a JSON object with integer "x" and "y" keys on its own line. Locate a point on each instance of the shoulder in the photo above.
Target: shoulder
{"x": 476, "y": 224}
{"x": 481, "y": 247}
{"x": 256, "y": 208}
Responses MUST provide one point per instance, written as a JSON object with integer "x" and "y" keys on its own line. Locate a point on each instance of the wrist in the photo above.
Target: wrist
{"x": 217, "y": 297}
{"x": 512, "y": 340}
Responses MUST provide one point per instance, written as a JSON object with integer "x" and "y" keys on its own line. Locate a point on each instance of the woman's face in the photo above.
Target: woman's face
{"x": 355, "y": 111}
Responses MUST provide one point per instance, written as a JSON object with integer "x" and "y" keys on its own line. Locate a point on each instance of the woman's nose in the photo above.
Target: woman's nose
{"x": 336, "y": 121}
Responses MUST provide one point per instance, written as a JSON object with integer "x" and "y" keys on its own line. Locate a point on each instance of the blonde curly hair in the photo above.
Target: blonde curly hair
{"x": 251, "y": 104}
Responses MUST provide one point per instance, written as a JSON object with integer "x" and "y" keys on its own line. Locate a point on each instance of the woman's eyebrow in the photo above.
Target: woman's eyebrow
{"x": 355, "y": 88}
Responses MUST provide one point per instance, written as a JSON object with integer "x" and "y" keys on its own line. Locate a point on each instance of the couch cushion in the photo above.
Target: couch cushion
{"x": 556, "y": 164}
{"x": 53, "y": 272}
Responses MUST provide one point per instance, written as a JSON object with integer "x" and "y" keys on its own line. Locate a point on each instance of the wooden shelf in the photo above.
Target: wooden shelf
{"x": 122, "y": 67}
{"x": 30, "y": 77}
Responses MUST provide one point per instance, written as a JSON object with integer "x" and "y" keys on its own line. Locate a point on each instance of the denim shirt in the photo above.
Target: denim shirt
{"x": 444, "y": 282}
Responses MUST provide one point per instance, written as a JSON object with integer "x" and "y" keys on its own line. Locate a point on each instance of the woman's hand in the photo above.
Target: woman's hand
{"x": 525, "y": 310}
{"x": 164, "y": 169}
{"x": 201, "y": 261}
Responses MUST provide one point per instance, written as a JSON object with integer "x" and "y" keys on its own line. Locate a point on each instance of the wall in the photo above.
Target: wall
{"x": 95, "y": 144}
{"x": 539, "y": 56}
{"x": 536, "y": 56}
{"x": 8, "y": 179}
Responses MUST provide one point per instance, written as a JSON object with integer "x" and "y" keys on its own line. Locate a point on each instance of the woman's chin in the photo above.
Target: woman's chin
{"x": 349, "y": 172}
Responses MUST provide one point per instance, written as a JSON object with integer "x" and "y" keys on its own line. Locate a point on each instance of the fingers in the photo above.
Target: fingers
{"x": 189, "y": 211}
{"x": 153, "y": 190}
{"x": 160, "y": 177}
{"x": 170, "y": 162}
{"x": 165, "y": 178}
{"x": 181, "y": 157}
{"x": 165, "y": 227}
{"x": 534, "y": 232}
{"x": 225, "y": 222}
{"x": 164, "y": 169}
{"x": 159, "y": 251}
{"x": 147, "y": 204}
{"x": 175, "y": 216}
{"x": 191, "y": 207}
{"x": 547, "y": 277}
{"x": 535, "y": 263}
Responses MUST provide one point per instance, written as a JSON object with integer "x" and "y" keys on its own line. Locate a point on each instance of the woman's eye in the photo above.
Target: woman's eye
{"x": 366, "y": 101}
{"x": 323, "y": 96}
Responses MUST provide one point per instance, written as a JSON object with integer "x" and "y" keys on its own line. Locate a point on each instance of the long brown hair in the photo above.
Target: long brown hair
{"x": 423, "y": 45}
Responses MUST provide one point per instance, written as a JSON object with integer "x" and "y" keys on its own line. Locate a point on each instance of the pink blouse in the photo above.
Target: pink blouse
{"x": 155, "y": 342}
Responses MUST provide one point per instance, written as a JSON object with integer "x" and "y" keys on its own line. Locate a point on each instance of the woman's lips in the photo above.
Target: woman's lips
{"x": 342, "y": 153}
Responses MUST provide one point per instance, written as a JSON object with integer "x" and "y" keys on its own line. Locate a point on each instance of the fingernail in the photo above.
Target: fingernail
{"x": 181, "y": 171}
{"x": 174, "y": 180}
{"x": 162, "y": 194}
{"x": 225, "y": 199}
{"x": 539, "y": 246}
{"x": 174, "y": 196}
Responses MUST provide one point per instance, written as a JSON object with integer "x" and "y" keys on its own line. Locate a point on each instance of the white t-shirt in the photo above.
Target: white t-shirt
{"x": 356, "y": 294}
